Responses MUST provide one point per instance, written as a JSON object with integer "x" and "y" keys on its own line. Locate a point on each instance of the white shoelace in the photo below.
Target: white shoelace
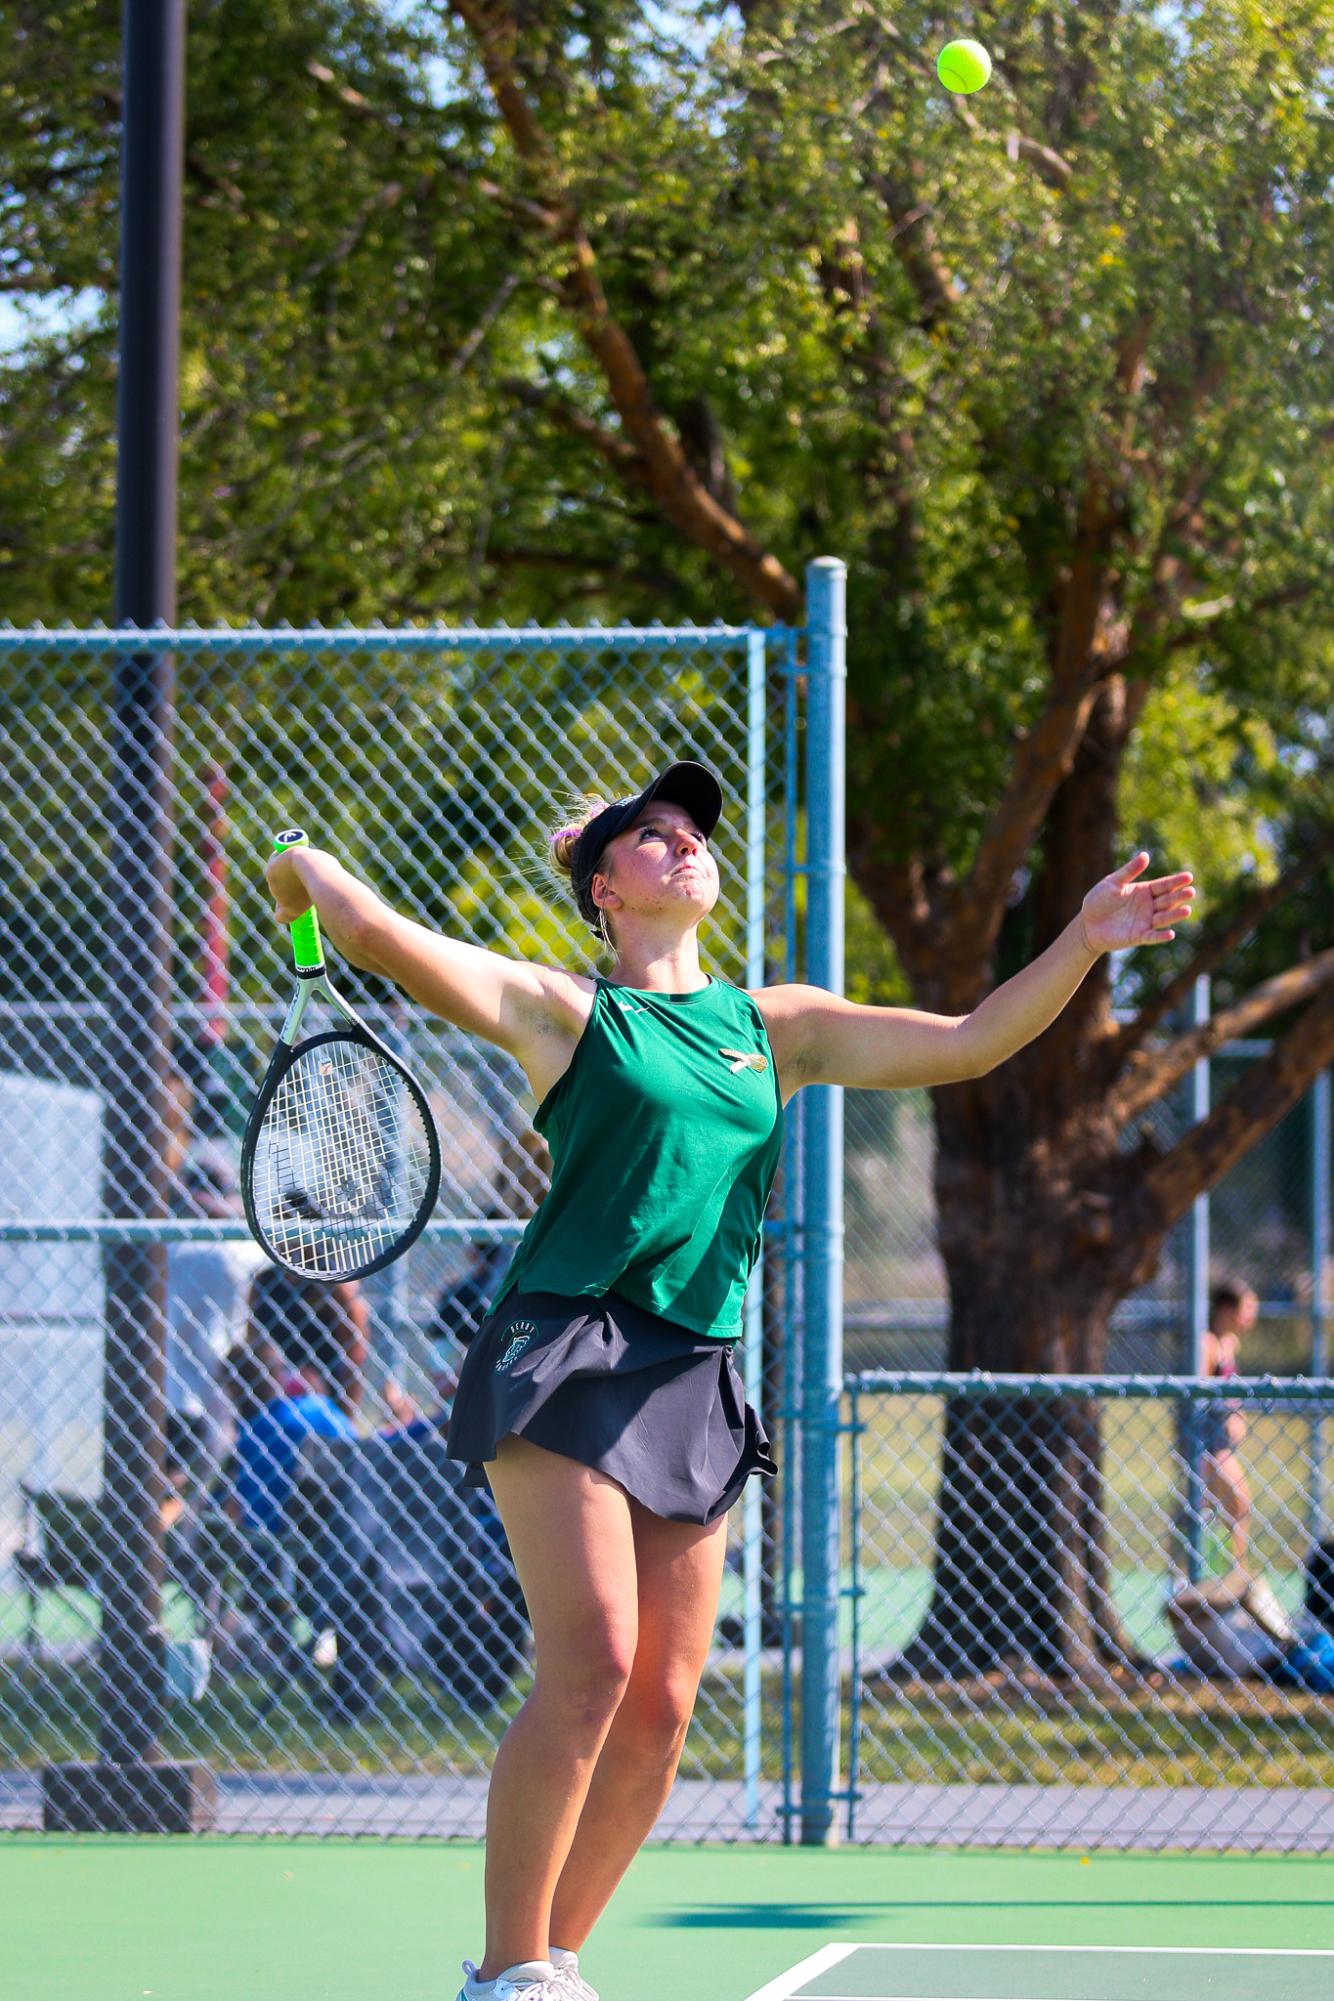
{"x": 572, "y": 1984}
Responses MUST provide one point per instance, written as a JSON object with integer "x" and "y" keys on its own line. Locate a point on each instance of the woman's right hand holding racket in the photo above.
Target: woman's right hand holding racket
{"x": 291, "y": 897}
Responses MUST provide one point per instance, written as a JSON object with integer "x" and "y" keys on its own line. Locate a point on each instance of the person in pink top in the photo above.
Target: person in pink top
{"x": 1232, "y": 1309}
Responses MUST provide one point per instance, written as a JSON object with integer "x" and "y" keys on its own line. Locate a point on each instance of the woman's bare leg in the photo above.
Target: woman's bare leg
{"x": 1227, "y": 1484}
{"x": 571, "y": 1538}
{"x": 680, "y": 1579}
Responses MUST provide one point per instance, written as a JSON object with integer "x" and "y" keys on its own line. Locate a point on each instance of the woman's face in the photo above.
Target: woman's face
{"x": 662, "y": 863}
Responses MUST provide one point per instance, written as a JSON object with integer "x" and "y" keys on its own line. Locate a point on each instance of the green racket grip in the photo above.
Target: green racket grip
{"x": 307, "y": 951}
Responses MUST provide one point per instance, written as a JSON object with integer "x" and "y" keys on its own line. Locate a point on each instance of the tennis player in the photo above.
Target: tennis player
{"x": 599, "y": 1398}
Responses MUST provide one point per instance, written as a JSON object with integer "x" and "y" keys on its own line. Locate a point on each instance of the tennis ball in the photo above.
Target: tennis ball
{"x": 963, "y": 67}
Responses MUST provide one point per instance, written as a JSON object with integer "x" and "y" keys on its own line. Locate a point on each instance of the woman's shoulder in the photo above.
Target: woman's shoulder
{"x": 781, "y": 1004}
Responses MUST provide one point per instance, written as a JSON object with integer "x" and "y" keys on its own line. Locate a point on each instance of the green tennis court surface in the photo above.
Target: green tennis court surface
{"x": 111, "y": 1918}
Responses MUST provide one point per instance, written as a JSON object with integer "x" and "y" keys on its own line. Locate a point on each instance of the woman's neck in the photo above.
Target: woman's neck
{"x": 674, "y": 972}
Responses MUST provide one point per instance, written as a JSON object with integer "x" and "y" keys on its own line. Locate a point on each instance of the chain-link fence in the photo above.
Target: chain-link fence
{"x": 346, "y": 1640}
{"x": 1261, "y": 1214}
{"x": 345, "y": 1635}
{"x": 1092, "y": 1611}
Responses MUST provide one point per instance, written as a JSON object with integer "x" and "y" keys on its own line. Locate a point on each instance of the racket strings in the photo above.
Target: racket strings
{"x": 342, "y": 1159}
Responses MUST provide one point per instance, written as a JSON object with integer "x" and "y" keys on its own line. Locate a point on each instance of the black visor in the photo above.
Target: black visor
{"x": 684, "y": 784}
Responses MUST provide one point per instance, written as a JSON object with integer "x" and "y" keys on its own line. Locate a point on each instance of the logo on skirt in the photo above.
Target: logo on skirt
{"x": 525, "y": 1331}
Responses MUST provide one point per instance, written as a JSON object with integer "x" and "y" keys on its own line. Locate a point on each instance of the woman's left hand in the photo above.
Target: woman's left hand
{"x": 1119, "y": 912}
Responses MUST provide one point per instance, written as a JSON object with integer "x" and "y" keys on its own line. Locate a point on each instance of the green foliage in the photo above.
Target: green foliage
{"x": 1141, "y": 327}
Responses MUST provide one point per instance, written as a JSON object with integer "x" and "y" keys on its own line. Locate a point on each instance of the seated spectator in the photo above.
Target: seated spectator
{"x": 265, "y": 1465}
{"x": 316, "y": 1325}
{"x": 269, "y": 1444}
{"x": 206, "y": 1306}
{"x": 404, "y": 1409}
{"x": 253, "y": 1372}
{"x": 443, "y": 1547}
{"x": 523, "y": 1177}
{"x": 463, "y": 1304}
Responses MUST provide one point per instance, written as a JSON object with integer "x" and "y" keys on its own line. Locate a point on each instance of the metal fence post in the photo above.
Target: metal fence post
{"x": 822, "y": 1362}
{"x": 752, "y": 1359}
{"x": 1320, "y": 1197}
{"x": 1197, "y": 1281}
{"x": 794, "y": 1247}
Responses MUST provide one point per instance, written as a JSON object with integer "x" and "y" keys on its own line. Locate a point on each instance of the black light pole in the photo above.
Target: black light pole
{"x": 130, "y": 1788}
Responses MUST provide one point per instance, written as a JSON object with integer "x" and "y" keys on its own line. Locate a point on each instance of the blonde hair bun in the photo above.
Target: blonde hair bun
{"x": 563, "y": 840}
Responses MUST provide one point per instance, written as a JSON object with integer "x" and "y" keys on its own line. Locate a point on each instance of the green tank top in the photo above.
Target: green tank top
{"x": 665, "y": 1133}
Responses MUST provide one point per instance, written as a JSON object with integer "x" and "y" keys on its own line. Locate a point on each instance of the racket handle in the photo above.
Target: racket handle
{"x": 307, "y": 951}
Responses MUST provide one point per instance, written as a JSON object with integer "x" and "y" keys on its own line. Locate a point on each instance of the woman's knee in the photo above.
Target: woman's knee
{"x": 594, "y": 1659}
{"x": 658, "y": 1711}
{"x": 585, "y": 1687}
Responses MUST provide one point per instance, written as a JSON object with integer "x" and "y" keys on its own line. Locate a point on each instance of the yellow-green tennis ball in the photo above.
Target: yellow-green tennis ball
{"x": 963, "y": 67}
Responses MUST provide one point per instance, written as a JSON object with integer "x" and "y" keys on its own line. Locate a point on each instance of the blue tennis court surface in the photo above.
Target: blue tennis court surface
{"x": 865, "y": 1972}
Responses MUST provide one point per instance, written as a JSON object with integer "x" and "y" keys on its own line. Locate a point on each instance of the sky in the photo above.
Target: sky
{"x": 18, "y": 321}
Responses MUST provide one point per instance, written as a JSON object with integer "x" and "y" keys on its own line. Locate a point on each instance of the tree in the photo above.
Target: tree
{"x": 641, "y": 307}
{"x": 1082, "y": 492}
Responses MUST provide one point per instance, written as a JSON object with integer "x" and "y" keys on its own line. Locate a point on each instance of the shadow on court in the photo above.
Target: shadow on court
{"x": 829, "y": 1917}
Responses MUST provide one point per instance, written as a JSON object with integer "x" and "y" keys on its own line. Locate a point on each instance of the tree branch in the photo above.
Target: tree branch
{"x": 1044, "y": 754}
{"x": 609, "y": 445}
{"x": 1208, "y": 616}
{"x": 912, "y": 899}
{"x": 913, "y": 241}
{"x": 385, "y": 197}
{"x": 1087, "y": 641}
{"x": 1051, "y": 167}
{"x": 1122, "y": 1048}
{"x": 1155, "y": 1073}
{"x": 680, "y": 494}
{"x": 464, "y": 352}
{"x": 113, "y": 104}
{"x": 1169, "y": 1183}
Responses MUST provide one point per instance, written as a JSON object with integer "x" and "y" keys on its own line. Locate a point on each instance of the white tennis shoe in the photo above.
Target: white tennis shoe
{"x": 530, "y": 1980}
{"x": 575, "y": 1987}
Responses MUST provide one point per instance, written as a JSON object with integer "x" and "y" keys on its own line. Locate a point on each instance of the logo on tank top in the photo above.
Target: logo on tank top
{"x": 524, "y": 1330}
{"x": 745, "y": 1060}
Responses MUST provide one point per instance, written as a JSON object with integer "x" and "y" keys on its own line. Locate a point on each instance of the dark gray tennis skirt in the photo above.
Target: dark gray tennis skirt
{"x": 660, "y": 1409}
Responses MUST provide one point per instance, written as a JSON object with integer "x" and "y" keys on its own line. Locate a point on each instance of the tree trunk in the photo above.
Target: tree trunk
{"x": 1020, "y": 1572}
{"x": 1034, "y": 1270}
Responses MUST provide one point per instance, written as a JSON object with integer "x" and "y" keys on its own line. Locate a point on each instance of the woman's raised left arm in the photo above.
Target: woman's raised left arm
{"x": 887, "y": 1048}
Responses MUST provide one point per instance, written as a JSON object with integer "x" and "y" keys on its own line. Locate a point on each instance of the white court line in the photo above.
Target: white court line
{"x": 787, "y": 1985}
{"x": 1196, "y": 1951}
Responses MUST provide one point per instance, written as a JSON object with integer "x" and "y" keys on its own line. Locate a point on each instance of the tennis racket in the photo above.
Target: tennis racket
{"x": 340, "y": 1164}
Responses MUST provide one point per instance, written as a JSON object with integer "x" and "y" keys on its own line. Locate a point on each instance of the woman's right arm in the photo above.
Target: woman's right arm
{"x": 507, "y": 1001}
